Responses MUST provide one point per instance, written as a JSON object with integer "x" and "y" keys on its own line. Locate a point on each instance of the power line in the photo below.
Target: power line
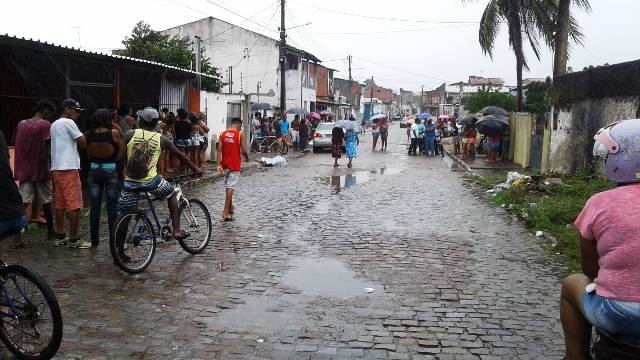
{"x": 334, "y": 11}
{"x": 242, "y": 22}
{"x": 257, "y": 39}
{"x": 402, "y": 70}
{"x": 239, "y": 15}
{"x": 394, "y": 31}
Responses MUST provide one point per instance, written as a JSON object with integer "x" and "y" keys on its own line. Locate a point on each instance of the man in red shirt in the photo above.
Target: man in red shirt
{"x": 32, "y": 151}
{"x": 230, "y": 146}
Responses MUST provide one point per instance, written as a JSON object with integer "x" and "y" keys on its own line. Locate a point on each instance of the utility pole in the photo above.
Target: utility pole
{"x": 198, "y": 70}
{"x": 421, "y": 99}
{"x": 230, "y": 79}
{"x": 283, "y": 44}
{"x": 259, "y": 84}
{"x": 371, "y": 100}
{"x": 350, "y": 88}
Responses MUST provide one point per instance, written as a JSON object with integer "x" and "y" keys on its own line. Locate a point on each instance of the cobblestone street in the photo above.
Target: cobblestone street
{"x": 292, "y": 276}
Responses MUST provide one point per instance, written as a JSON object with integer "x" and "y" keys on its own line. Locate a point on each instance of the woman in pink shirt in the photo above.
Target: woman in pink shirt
{"x": 607, "y": 293}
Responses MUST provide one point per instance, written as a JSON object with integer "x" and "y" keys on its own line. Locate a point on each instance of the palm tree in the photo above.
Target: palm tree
{"x": 565, "y": 26}
{"x": 532, "y": 20}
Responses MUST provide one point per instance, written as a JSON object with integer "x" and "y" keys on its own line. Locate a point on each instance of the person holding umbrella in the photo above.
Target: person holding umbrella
{"x": 351, "y": 143}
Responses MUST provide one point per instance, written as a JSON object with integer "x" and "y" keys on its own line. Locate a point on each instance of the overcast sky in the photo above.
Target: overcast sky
{"x": 428, "y": 42}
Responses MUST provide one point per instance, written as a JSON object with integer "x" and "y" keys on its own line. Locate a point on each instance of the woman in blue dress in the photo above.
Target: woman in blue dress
{"x": 351, "y": 145}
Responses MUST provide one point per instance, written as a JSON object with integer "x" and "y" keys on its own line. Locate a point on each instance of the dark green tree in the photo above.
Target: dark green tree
{"x": 488, "y": 97}
{"x": 539, "y": 97}
{"x": 145, "y": 43}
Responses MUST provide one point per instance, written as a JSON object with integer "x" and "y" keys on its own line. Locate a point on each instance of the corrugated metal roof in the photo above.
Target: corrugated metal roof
{"x": 6, "y": 38}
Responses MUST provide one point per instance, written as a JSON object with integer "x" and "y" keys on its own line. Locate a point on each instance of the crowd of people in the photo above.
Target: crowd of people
{"x": 125, "y": 155}
{"x": 295, "y": 133}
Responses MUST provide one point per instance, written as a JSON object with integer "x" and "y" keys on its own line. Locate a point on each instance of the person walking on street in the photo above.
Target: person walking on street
{"x": 383, "y": 124}
{"x": 231, "y": 146}
{"x": 12, "y": 215}
{"x": 413, "y": 134}
{"x": 295, "y": 132}
{"x": 32, "y": 162}
{"x": 375, "y": 133}
{"x": 430, "y": 138}
{"x": 337, "y": 139}
{"x": 421, "y": 136}
{"x": 351, "y": 144}
{"x": 304, "y": 133}
{"x": 66, "y": 139}
{"x": 104, "y": 150}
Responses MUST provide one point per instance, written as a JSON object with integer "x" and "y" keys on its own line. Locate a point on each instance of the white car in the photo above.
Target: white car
{"x": 322, "y": 136}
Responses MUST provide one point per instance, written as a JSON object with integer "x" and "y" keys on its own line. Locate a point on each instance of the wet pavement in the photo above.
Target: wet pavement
{"x": 394, "y": 259}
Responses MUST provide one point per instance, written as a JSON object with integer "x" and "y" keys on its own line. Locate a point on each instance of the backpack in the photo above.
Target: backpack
{"x": 139, "y": 161}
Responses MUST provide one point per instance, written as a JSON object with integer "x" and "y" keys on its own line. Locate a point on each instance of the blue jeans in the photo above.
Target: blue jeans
{"x": 103, "y": 177}
{"x": 614, "y": 317}
{"x": 12, "y": 226}
{"x": 429, "y": 145}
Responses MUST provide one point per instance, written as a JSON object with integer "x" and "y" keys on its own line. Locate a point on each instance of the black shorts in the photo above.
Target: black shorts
{"x": 204, "y": 144}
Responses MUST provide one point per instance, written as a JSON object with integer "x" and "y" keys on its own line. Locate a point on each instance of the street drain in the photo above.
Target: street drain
{"x": 326, "y": 277}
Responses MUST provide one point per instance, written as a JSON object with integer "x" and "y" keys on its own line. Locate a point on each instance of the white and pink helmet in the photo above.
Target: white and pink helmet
{"x": 619, "y": 145}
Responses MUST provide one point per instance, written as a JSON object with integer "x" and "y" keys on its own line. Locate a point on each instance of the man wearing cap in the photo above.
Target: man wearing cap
{"x": 66, "y": 138}
{"x": 151, "y": 182}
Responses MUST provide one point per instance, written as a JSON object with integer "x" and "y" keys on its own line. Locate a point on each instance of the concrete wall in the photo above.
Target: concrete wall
{"x": 215, "y": 106}
{"x": 575, "y": 124}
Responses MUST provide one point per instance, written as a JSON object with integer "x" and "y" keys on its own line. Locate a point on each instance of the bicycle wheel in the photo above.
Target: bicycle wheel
{"x": 196, "y": 220}
{"x": 283, "y": 148}
{"x": 255, "y": 147}
{"x": 31, "y": 325}
{"x": 134, "y": 243}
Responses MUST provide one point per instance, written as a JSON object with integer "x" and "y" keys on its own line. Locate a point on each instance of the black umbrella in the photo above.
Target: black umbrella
{"x": 491, "y": 125}
{"x": 494, "y": 110}
{"x": 466, "y": 120}
{"x": 261, "y": 106}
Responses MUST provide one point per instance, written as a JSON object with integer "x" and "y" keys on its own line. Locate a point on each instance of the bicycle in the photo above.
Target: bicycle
{"x": 30, "y": 317}
{"x": 269, "y": 144}
{"x": 134, "y": 242}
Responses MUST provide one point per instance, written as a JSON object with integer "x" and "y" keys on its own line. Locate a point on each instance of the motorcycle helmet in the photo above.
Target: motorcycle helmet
{"x": 619, "y": 145}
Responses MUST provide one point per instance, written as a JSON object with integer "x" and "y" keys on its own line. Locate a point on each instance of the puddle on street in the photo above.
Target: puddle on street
{"x": 453, "y": 166}
{"x": 326, "y": 277}
{"x": 259, "y": 313}
{"x": 344, "y": 181}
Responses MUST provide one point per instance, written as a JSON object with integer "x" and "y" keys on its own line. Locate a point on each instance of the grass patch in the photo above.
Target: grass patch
{"x": 553, "y": 209}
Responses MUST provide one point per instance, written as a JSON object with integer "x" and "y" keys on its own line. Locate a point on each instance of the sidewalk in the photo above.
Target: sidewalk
{"x": 483, "y": 168}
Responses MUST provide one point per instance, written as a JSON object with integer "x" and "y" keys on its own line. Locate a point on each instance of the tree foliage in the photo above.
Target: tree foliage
{"x": 539, "y": 97}
{"x": 145, "y": 43}
{"x": 488, "y": 97}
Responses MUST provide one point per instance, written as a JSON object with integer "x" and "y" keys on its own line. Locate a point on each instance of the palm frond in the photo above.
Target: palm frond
{"x": 489, "y": 27}
{"x": 583, "y": 4}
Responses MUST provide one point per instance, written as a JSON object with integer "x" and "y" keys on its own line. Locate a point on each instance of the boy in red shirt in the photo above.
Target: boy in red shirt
{"x": 230, "y": 145}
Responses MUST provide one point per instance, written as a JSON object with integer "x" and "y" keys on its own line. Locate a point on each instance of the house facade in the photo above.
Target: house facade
{"x": 249, "y": 62}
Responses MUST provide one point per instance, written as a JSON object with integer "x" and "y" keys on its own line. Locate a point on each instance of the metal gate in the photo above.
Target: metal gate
{"x": 537, "y": 142}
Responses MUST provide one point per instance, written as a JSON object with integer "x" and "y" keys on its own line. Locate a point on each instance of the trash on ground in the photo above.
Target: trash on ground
{"x": 369, "y": 290}
{"x": 539, "y": 233}
{"x": 260, "y": 341}
{"x": 553, "y": 181}
{"x": 514, "y": 179}
{"x": 277, "y": 161}
{"x": 263, "y": 237}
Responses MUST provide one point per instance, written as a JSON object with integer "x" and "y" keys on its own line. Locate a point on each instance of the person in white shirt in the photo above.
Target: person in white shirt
{"x": 413, "y": 135}
{"x": 66, "y": 138}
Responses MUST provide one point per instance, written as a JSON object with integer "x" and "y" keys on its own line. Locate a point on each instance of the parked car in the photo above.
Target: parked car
{"x": 322, "y": 136}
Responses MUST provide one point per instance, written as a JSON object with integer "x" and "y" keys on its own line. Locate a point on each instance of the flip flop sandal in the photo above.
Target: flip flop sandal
{"x": 183, "y": 235}
{"x": 227, "y": 218}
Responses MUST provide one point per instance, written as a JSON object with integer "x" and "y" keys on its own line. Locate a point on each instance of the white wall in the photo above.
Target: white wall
{"x": 227, "y": 45}
{"x": 215, "y": 106}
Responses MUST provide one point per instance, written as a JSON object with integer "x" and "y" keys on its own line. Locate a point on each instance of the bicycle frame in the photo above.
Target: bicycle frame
{"x": 151, "y": 209}
{"x": 12, "y": 305}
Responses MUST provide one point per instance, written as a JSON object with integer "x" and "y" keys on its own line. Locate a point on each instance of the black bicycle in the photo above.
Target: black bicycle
{"x": 269, "y": 144}
{"x": 30, "y": 317}
{"x": 134, "y": 243}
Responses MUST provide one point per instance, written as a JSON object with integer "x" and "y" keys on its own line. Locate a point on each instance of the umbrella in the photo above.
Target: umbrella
{"x": 494, "y": 110}
{"x": 377, "y": 117}
{"x": 315, "y": 115}
{"x": 466, "y": 120}
{"x": 261, "y": 106}
{"x": 424, "y": 116}
{"x": 442, "y": 117}
{"x": 326, "y": 112}
{"x": 491, "y": 125}
{"x": 298, "y": 111}
{"x": 348, "y": 125}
